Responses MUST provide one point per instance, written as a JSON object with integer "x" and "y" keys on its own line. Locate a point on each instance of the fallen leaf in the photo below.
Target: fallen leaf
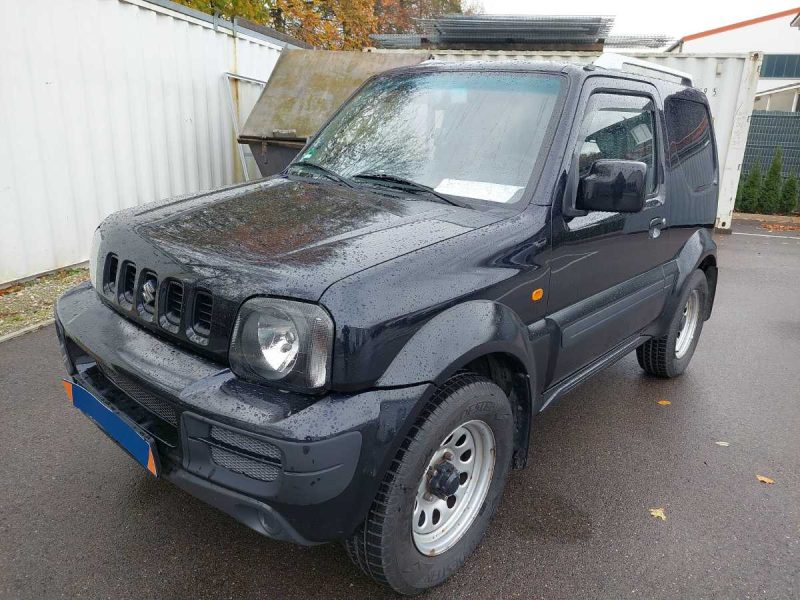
{"x": 763, "y": 479}
{"x": 664, "y": 402}
{"x": 658, "y": 513}
{"x": 725, "y": 444}
{"x": 780, "y": 227}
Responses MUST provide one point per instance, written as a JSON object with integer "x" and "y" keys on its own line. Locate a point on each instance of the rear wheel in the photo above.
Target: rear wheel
{"x": 442, "y": 489}
{"x": 669, "y": 355}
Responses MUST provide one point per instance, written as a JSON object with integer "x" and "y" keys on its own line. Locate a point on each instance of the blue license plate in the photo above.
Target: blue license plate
{"x": 126, "y": 434}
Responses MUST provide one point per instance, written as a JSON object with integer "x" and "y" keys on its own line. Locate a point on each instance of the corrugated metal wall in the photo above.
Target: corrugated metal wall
{"x": 729, "y": 81}
{"x": 106, "y": 104}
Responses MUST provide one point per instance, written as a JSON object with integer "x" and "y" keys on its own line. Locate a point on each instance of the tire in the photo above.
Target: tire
{"x": 669, "y": 355}
{"x": 385, "y": 546}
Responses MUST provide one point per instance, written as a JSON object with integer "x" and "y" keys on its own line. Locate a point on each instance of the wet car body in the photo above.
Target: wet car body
{"x": 417, "y": 290}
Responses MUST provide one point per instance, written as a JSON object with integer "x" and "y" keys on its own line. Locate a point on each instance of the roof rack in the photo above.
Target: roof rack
{"x": 609, "y": 60}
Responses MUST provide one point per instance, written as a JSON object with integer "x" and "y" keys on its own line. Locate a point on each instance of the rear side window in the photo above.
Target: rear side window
{"x": 619, "y": 127}
{"x": 689, "y": 140}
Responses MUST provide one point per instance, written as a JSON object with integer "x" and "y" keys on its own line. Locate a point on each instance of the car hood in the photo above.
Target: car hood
{"x": 281, "y": 236}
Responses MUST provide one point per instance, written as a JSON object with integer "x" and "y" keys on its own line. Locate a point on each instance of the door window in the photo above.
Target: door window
{"x": 619, "y": 127}
{"x": 690, "y": 143}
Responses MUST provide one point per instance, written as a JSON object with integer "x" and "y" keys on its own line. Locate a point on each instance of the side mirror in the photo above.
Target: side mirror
{"x": 613, "y": 186}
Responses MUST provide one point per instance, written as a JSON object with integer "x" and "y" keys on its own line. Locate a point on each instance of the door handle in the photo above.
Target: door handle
{"x": 656, "y": 225}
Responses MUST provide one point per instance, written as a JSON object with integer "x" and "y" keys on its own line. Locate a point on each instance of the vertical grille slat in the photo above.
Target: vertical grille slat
{"x": 111, "y": 273}
{"x": 128, "y": 282}
{"x": 203, "y": 309}
{"x": 174, "y": 303}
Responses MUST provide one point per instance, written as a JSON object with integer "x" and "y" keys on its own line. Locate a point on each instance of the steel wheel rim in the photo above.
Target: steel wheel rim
{"x": 688, "y": 326}
{"x": 438, "y": 524}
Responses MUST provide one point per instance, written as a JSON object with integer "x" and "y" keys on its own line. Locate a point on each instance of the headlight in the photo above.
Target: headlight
{"x": 285, "y": 341}
{"x": 93, "y": 257}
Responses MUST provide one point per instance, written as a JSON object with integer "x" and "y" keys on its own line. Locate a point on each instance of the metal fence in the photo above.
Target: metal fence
{"x": 107, "y": 104}
{"x": 768, "y": 130}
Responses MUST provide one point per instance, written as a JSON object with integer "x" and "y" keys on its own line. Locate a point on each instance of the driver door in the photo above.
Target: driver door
{"x": 607, "y": 282}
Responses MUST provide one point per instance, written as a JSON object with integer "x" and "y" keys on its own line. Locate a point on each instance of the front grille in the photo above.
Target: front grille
{"x": 203, "y": 306}
{"x": 246, "y": 466}
{"x": 128, "y": 399}
{"x": 165, "y": 303}
{"x": 243, "y": 442}
{"x": 174, "y": 304}
{"x": 159, "y": 407}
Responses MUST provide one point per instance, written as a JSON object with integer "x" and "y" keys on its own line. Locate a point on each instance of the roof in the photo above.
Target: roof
{"x": 755, "y": 21}
{"x": 638, "y": 41}
{"x": 503, "y": 30}
{"x": 267, "y": 34}
{"x": 510, "y": 64}
{"x": 282, "y": 39}
{"x": 776, "y": 90}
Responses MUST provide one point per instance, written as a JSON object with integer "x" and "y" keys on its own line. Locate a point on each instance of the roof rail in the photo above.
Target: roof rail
{"x": 609, "y": 60}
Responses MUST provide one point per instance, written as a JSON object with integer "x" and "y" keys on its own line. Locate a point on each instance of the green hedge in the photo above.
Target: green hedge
{"x": 770, "y": 194}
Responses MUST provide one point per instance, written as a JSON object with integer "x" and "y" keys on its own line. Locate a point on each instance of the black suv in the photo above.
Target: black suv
{"x": 354, "y": 350}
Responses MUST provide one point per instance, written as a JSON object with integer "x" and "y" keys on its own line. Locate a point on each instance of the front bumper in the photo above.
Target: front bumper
{"x": 292, "y": 467}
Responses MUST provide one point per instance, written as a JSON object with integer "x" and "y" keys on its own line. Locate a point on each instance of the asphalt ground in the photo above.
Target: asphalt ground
{"x": 80, "y": 519}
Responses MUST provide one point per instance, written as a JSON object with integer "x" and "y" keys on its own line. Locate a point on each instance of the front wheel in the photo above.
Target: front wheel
{"x": 441, "y": 490}
{"x": 669, "y": 355}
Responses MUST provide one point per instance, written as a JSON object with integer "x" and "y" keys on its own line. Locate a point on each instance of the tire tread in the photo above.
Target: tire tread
{"x": 366, "y": 547}
{"x": 657, "y": 356}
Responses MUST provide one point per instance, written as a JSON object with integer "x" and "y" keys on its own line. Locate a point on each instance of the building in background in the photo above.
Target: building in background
{"x": 585, "y": 33}
{"x": 775, "y": 122}
{"x": 777, "y": 35}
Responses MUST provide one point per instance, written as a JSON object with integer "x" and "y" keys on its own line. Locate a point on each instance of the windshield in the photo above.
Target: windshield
{"x": 471, "y": 134}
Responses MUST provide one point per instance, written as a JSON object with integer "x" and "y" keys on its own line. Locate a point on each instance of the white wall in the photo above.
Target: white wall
{"x": 775, "y": 36}
{"x": 106, "y": 104}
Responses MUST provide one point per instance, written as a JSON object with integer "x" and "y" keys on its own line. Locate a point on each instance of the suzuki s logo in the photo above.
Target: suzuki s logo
{"x": 149, "y": 291}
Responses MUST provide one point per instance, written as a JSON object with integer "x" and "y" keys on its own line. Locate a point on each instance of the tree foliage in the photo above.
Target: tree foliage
{"x": 789, "y": 194}
{"x": 334, "y": 24}
{"x": 751, "y": 189}
{"x": 771, "y": 188}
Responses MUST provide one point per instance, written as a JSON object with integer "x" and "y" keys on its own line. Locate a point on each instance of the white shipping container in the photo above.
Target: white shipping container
{"x": 729, "y": 81}
{"x": 107, "y": 104}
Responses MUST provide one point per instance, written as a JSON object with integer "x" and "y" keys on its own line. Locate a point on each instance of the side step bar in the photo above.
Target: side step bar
{"x": 555, "y": 392}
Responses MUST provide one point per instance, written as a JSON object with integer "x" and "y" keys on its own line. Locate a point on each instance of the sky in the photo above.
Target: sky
{"x": 681, "y": 18}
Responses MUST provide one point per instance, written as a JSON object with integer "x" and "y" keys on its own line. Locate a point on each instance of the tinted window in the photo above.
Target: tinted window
{"x": 689, "y": 139}
{"x": 476, "y": 135}
{"x": 619, "y": 127}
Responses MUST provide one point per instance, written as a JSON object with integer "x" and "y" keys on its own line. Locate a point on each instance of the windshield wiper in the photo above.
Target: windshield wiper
{"x": 402, "y": 182}
{"x": 325, "y": 171}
